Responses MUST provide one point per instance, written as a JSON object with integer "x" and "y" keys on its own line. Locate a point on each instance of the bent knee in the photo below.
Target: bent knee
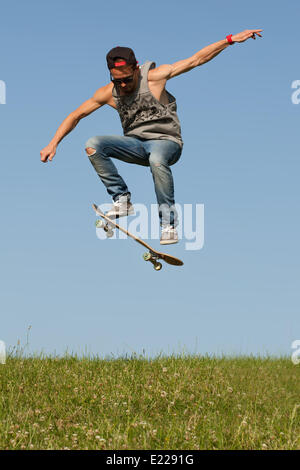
{"x": 91, "y": 145}
{"x": 157, "y": 163}
{"x": 90, "y": 151}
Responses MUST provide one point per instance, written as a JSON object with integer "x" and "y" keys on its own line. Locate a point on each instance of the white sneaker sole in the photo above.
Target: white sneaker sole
{"x": 168, "y": 242}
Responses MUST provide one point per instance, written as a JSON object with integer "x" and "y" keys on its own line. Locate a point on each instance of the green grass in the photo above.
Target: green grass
{"x": 187, "y": 402}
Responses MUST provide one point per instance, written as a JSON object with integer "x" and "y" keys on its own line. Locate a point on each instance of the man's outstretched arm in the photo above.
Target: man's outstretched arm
{"x": 100, "y": 98}
{"x": 168, "y": 71}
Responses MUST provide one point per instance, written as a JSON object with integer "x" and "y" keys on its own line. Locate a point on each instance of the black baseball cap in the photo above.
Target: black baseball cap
{"x": 118, "y": 52}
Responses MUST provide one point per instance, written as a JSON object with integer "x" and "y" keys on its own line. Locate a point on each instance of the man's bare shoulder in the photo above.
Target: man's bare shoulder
{"x": 160, "y": 73}
{"x": 104, "y": 94}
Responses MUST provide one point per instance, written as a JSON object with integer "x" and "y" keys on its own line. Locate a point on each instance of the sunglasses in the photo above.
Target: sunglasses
{"x": 119, "y": 81}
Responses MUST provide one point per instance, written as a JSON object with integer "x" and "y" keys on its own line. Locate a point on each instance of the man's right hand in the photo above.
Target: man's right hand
{"x": 48, "y": 153}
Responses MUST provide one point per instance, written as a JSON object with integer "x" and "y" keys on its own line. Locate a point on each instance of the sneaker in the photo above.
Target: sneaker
{"x": 120, "y": 208}
{"x": 168, "y": 235}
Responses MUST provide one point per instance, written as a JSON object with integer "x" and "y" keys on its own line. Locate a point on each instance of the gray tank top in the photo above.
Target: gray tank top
{"x": 143, "y": 116}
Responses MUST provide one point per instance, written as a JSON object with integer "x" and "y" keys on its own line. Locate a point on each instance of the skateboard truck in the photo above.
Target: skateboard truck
{"x": 152, "y": 257}
{"x": 107, "y": 229}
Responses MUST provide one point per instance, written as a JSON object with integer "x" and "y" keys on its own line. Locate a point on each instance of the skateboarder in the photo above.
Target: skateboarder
{"x": 152, "y": 132}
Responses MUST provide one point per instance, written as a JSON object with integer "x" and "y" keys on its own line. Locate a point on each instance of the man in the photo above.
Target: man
{"x": 152, "y": 132}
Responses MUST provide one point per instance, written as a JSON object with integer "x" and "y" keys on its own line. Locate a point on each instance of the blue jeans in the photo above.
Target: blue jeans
{"x": 157, "y": 154}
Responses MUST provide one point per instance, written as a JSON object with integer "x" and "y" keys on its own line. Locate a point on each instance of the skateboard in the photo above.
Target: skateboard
{"x": 108, "y": 225}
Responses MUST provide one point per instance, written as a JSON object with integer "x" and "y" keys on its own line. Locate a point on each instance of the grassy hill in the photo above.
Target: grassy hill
{"x": 173, "y": 403}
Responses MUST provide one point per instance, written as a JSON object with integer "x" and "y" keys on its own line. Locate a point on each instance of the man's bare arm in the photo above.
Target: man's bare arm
{"x": 167, "y": 71}
{"x": 100, "y": 98}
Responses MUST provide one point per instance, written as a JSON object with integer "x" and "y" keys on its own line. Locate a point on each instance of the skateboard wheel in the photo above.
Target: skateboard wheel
{"x": 109, "y": 233}
{"x": 157, "y": 266}
{"x": 147, "y": 256}
{"x": 99, "y": 223}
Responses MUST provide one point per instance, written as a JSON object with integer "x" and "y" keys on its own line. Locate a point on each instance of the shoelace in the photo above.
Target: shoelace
{"x": 168, "y": 228}
{"x": 120, "y": 203}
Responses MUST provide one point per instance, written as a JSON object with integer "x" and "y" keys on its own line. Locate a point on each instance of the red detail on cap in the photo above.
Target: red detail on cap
{"x": 119, "y": 64}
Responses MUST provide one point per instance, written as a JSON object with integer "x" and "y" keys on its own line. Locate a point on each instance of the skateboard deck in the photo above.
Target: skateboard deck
{"x": 152, "y": 255}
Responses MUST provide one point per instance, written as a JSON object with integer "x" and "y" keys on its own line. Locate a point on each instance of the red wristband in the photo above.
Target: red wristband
{"x": 229, "y": 39}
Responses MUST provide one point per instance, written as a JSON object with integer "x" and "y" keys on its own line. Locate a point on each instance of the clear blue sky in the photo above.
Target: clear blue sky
{"x": 239, "y": 294}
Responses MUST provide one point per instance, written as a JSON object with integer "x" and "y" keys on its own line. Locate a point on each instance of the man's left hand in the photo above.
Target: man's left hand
{"x": 248, "y": 33}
